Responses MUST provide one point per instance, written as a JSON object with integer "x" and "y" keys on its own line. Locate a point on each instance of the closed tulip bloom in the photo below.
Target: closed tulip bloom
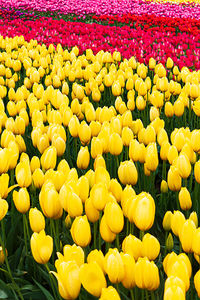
{"x": 193, "y": 217}
{"x": 69, "y": 284}
{"x": 83, "y": 188}
{"x": 36, "y": 219}
{"x": 174, "y": 292}
{"x": 183, "y": 165}
{"x": 41, "y": 247}
{"x": 147, "y": 274}
{"x": 151, "y": 157}
{"x": 197, "y": 171}
{"x": 80, "y": 231}
{"x": 3, "y": 208}
{"x": 96, "y": 147}
{"x": 164, "y": 186}
{"x": 116, "y": 189}
{"x": 83, "y": 158}
{"x": 21, "y": 200}
{"x": 172, "y": 154}
{"x": 60, "y": 145}
{"x": 115, "y": 144}
{"x": 144, "y": 212}
{"x": 185, "y": 199}
{"x": 186, "y": 235}
{"x": 96, "y": 256}
{"x": 167, "y": 221}
{"x": 164, "y": 150}
{"x": 174, "y": 179}
{"x": 127, "y": 173}
{"x": 150, "y": 246}
{"x": 49, "y": 158}
{"x": 127, "y": 136}
{"x": 91, "y": 212}
{"x": 177, "y": 221}
{"x": 84, "y": 132}
{"x": 196, "y": 282}
{"x": 75, "y": 206}
{"x": 23, "y": 174}
{"x": 196, "y": 242}
{"x": 114, "y": 266}
{"x": 92, "y": 278}
{"x": 4, "y": 181}
{"x": 49, "y": 201}
{"x": 109, "y": 293}
{"x": 2, "y": 256}
{"x": 35, "y": 163}
{"x": 98, "y": 195}
{"x": 132, "y": 246}
{"x": 195, "y": 140}
{"x": 174, "y": 281}
{"x": 134, "y": 150}
{"x": 38, "y": 178}
{"x": 114, "y": 217}
{"x": 129, "y": 267}
{"x": 106, "y": 234}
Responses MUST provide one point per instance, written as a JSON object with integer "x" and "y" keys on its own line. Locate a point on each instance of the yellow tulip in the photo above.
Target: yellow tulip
{"x": 92, "y": 278}
{"x": 106, "y": 234}
{"x": 41, "y": 247}
{"x": 114, "y": 266}
{"x": 185, "y": 199}
{"x": 4, "y": 208}
{"x": 132, "y": 246}
{"x": 150, "y": 246}
{"x": 36, "y": 219}
{"x": 81, "y": 232}
{"x": 114, "y": 217}
{"x": 109, "y": 293}
{"x": 69, "y": 284}
{"x": 83, "y": 158}
{"x": 49, "y": 158}
{"x": 21, "y": 200}
{"x": 129, "y": 267}
{"x": 186, "y": 235}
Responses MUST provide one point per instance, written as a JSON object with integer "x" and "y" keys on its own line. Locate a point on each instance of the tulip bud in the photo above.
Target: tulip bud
{"x": 2, "y": 256}
{"x": 3, "y": 208}
{"x": 164, "y": 186}
{"x": 127, "y": 173}
{"x": 35, "y": 163}
{"x": 167, "y": 221}
{"x": 106, "y": 234}
{"x": 151, "y": 157}
{"x": 186, "y": 235}
{"x": 183, "y": 165}
{"x": 177, "y": 221}
{"x": 80, "y": 231}
{"x": 83, "y": 158}
{"x": 174, "y": 179}
{"x": 132, "y": 246}
{"x": 96, "y": 256}
{"x": 185, "y": 199}
{"x": 21, "y": 200}
{"x": 169, "y": 243}
{"x": 115, "y": 144}
{"x": 114, "y": 217}
{"x": 36, "y": 219}
{"x": 49, "y": 158}
{"x": 150, "y": 246}
{"x": 144, "y": 211}
{"x": 193, "y": 217}
{"x": 41, "y": 247}
{"x": 23, "y": 174}
{"x": 92, "y": 270}
{"x": 38, "y": 178}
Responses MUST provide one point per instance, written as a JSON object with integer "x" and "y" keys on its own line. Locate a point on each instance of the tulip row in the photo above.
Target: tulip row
{"x": 77, "y": 133}
{"x": 183, "y": 48}
{"x": 102, "y": 7}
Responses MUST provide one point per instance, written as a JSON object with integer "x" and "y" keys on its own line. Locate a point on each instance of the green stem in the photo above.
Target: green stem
{"x": 132, "y": 294}
{"x": 177, "y": 201}
{"x": 117, "y": 242}
{"x": 152, "y": 295}
{"x": 52, "y": 282}
{"x": 141, "y": 234}
{"x": 25, "y": 236}
{"x": 147, "y": 294}
{"x": 142, "y": 294}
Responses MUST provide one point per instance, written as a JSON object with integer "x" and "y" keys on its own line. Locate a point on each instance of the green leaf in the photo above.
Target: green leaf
{"x": 45, "y": 292}
{"x": 3, "y": 295}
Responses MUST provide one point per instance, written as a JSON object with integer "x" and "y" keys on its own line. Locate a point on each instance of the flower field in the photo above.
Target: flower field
{"x": 100, "y": 150}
